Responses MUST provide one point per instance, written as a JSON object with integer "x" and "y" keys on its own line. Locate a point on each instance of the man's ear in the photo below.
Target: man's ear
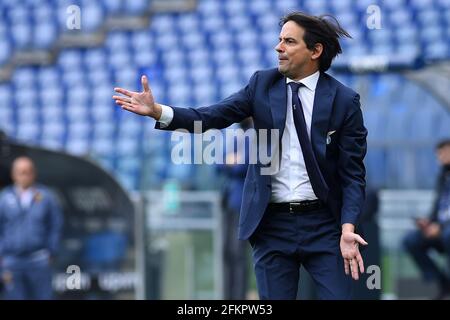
{"x": 317, "y": 51}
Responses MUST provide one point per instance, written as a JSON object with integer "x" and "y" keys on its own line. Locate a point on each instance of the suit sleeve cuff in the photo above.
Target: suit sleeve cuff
{"x": 349, "y": 218}
{"x": 166, "y": 116}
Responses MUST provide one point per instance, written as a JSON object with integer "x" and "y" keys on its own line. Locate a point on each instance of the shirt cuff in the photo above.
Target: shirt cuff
{"x": 166, "y": 116}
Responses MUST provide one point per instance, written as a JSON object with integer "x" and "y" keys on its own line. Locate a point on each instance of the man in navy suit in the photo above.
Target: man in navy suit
{"x": 306, "y": 212}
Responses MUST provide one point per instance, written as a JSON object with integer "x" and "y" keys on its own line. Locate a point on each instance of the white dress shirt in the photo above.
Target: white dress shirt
{"x": 291, "y": 183}
{"x": 166, "y": 116}
{"x": 25, "y": 197}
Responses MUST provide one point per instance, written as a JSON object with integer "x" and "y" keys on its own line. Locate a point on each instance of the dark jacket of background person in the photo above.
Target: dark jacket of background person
{"x": 26, "y": 230}
{"x": 434, "y": 215}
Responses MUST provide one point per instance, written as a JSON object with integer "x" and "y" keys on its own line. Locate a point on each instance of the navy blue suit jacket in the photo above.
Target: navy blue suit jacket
{"x": 336, "y": 108}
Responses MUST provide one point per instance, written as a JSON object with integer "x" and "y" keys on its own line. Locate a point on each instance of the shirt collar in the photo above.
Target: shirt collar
{"x": 310, "y": 81}
{"x": 19, "y": 191}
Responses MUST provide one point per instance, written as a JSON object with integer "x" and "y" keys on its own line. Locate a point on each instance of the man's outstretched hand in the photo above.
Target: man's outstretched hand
{"x": 141, "y": 103}
{"x": 353, "y": 260}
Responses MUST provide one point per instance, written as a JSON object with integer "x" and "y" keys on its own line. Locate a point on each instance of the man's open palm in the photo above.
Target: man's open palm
{"x": 141, "y": 103}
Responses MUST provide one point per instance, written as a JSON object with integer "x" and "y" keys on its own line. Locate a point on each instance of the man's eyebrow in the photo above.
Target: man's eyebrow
{"x": 286, "y": 38}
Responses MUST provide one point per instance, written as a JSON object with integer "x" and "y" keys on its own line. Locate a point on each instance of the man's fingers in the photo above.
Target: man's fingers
{"x": 121, "y": 98}
{"x": 346, "y": 267}
{"x": 360, "y": 263}
{"x": 125, "y": 104}
{"x": 123, "y": 91}
{"x": 127, "y": 108}
{"x": 354, "y": 269}
{"x": 360, "y": 240}
{"x": 144, "y": 81}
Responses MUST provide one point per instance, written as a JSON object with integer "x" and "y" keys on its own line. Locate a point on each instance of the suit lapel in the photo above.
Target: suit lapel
{"x": 278, "y": 107}
{"x": 323, "y": 104}
{"x": 278, "y": 103}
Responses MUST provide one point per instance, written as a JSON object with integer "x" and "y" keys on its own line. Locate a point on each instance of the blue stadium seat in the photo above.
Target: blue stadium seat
{"x": 52, "y": 96}
{"x": 421, "y": 4}
{"x": 24, "y": 78}
{"x": 113, "y": 7}
{"x": 28, "y": 131}
{"x": 131, "y": 129}
{"x": 400, "y": 18}
{"x": 427, "y": 17}
{"x": 53, "y": 113}
{"x": 126, "y": 147}
{"x": 437, "y": 51}
{"x": 145, "y": 58}
{"x": 78, "y": 94}
{"x": 141, "y": 40}
{"x": 95, "y": 59}
{"x": 259, "y": 7}
{"x": 119, "y": 59}
{"x": 406, "y": 35}
{"x": 267, "y": 22}
{"x": 179, "y": 94}
{"x": 212, "y": 23}
{"x": 209, "y": 8}
{"x": 5, "y": 50}
{"x": 188, "y": 23}
{"x": 53, "y": 133}
{"x": 163, "y": 23}
{"x": 220, "y": 39}
{"x": 102, "y": 94}
{"x": 45, "y": 34}
{"x": 137, "y": 7}
{"x": 431, "y": 34}
{"x": 191, "y": 40}
{"x": 245, "y": 39}
{"x": 166, "y": 41}
{"x": 79, "y": 130}
{"x": 245, "y": 56}
{"x": 226, "y": 56}
{"x": 104, "y": 129}
{"x": 315, "y": 7}
{"x": 284, "y": 6}
{"x": 117, "y": 40}
{"x": 49, "y": 76}
{"x": 239, "y": 22}
{"x": 77, "y": 146}
{"x": 70, "y": 59}
{"x": 92, "y": 17}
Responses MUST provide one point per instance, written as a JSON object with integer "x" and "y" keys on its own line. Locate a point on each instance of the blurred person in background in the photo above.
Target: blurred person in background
{"x": 30, "y": 228}
{"x": 434, "y": 232}
{"x": 235, "y": 274}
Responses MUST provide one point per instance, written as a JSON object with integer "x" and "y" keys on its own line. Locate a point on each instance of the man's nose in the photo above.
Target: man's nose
{"x": 278, "y": 47}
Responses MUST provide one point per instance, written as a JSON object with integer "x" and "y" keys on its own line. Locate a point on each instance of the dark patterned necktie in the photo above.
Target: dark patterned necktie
{"x": 315, "y": 176}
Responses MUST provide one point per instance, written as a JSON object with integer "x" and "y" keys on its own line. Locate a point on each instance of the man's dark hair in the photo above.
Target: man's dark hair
{"x": 324, "y": 29}
{"x": 442, "y": 144}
